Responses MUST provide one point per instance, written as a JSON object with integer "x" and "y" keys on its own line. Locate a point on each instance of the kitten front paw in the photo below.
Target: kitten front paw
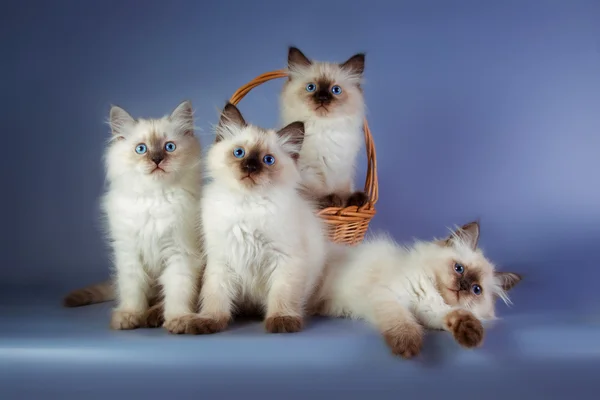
{"x": 207, "y": 326}
{"x": 123, "y": 320}
{"x": 183, "y": 324}
{"x": 154, "y": 317}
{"x": 332, "y": 200}
{"x": 466, "y": 328}
{"x": 283, "y": 324}
{"x": 357, "y": 199}
{"x": 405, "y": 340}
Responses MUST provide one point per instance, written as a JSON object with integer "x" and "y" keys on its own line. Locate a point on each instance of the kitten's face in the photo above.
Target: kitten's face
{"x": 324, "y": 89}
{"x": 157, "y": 150}
{"x": 466, "y": 278}
{"x": 250, "y": 157}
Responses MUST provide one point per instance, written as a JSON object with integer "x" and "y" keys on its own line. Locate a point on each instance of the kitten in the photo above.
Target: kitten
{"x": 151, "y": 208}
{"x": 446, "y": 284}
{"x": 264, "y": 244}
{"x": 328, "y": 98}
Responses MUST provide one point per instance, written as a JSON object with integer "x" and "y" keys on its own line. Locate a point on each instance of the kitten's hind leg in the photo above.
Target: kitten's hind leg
{"x": 401, "y": 331}
{"x": 133, "y": 289}
{"x": 154, "y": 317}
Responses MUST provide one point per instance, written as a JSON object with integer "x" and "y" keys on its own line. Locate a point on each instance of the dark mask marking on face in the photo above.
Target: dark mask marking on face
{"x": 323, "y": 95}
{"x": 251, "y": 164}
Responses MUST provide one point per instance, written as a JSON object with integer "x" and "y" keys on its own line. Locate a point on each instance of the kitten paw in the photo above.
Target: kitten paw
{"x": 283, "y": 324}
{"x": 405, "y": 340}
{"x": 332, "y": 200}
{"x": 357, "y": 199}
{"x": 207, "y": 326}
{"x": 466, "y": 328}
{"x": 154, "y": 317}
{"x": 123, "y": 320}
{"x": 183, "y": 324}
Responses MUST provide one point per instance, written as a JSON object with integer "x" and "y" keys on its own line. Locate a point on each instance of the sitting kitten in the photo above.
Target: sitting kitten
{"x": 151, "y": 208}
{"x": 447, "y": 285}
{"x": 264, "y": 244}
{"x": 328, "y": 98}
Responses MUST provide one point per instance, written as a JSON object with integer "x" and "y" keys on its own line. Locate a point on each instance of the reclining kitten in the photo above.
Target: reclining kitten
{"x": 151, "y": 209}
{"x": 447, "y": 285}
{"x": 264, "y": 244}
{"x": 328, "y": 98}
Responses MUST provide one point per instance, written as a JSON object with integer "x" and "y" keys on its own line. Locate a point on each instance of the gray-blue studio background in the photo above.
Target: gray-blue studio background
{"x": 479, "y": 110}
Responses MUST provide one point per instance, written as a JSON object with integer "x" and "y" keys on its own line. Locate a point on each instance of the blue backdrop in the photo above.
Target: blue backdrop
{"x": 479, "y": 109}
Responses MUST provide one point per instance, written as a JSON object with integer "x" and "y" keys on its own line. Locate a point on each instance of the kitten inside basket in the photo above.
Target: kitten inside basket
{"x": 328, "y": 98}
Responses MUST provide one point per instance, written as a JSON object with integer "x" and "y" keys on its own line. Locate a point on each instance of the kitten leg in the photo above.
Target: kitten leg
{"x": 401, "y": 331}
{"x": 465, "y": 327}
{"x": 285, "y": 301}
{"x": 154, "y": 317}
{"x": 133, "y": 289}
{"x": 216, "y": 299}
{"x": 462, "y": 324}
{"x": 179, "y": 289}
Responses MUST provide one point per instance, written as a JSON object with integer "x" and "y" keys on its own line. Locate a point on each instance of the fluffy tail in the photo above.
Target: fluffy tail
{"x": 97, "y": 293}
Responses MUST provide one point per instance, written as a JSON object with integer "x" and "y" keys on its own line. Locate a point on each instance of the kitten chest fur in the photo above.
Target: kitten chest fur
{"x": 153, "y": 225}
{"x": 255, "y": 234}
{"x": 328, "y": 155}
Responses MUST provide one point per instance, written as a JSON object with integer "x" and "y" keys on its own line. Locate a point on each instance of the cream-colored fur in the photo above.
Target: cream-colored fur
{"x": 151, "y": 210}
{"x": 334, "y": 137}
{"x": 399, "y": 289}
{"x": 264, "y": 244}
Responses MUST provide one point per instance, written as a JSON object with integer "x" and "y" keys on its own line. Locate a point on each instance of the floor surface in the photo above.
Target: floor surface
{"x": 47, "y": 351}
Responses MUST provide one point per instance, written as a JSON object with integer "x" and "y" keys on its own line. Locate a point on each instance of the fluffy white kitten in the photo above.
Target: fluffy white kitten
{"x": 328, "y": 98}
{"x": 264, "y": 245}
{"x": 151, "y": 207}
{"x": 444, "y": 284}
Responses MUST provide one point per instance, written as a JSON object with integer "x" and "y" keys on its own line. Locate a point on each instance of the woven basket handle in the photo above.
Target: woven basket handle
{"x": 371, "y": 184}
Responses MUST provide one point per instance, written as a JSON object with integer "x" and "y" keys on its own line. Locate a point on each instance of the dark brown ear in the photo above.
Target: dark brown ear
{"x": 297, "y": 59}
{"x": 507, "y": 279}
{"x": 467, "y": 234}
{"x": 291, "y": 138}
{"x": 356, "y": 63}
{"x": 230, "y": 116}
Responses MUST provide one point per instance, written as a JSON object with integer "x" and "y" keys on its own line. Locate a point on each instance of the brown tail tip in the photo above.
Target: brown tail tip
{"x": 76, "y": 299}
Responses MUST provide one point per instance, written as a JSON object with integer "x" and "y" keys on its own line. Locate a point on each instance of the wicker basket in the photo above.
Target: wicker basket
{"x": 345, "y": 225}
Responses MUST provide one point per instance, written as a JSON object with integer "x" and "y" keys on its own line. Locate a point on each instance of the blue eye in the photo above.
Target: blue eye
{"x": 239, "y": 152}
{"x": 141, "y": 148}
{"x": 269, "y": 159}
{"x": 476, "y": 290}
{"x": 459, "y": 268}
{"x": 336, "y": 90}
{"x": 170, "y": 146}
{"x": 311, "y": 87}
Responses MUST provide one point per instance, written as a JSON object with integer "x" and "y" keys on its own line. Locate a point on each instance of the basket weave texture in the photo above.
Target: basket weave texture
{"x": 344, "y": 225}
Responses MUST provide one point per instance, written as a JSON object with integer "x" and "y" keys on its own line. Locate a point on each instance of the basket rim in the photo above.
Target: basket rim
{"x": 371, "y": 180}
